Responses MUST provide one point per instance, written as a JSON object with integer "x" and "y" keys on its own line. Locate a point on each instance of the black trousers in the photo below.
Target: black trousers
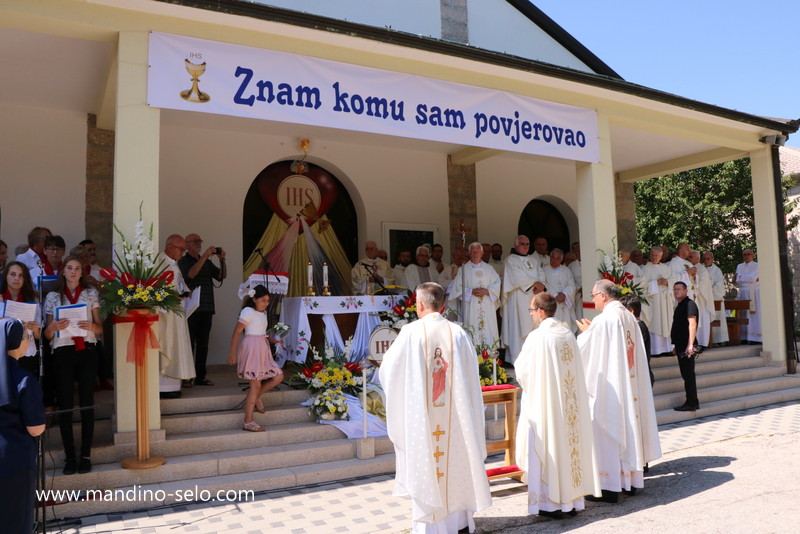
{"x": 689, "y": 380}
{"x": 17, "y": 497}
{"x": 70, "y": 366}
{"x": 199, "y": 331}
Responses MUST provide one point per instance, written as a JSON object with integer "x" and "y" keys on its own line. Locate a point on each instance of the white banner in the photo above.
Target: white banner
{"x": 212, "y": 77}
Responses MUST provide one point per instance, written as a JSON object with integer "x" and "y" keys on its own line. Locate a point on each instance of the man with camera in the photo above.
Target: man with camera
{"x": 200, "y": 272}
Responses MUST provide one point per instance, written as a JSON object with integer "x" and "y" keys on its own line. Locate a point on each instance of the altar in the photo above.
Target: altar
{"x": 295, "y": 312}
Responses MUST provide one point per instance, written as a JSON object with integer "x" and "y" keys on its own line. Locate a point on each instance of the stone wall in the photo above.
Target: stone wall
{"x": 626, "y": 216}
{"x": 100, "y": 189}
{"x": 463, "y": 202}
{"x": 455, "y": 21}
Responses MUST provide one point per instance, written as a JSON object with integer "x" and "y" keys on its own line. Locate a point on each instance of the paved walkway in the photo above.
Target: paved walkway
{"x": 736, "y": 472}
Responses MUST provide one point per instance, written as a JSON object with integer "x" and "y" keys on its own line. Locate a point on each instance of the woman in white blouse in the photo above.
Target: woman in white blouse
{"x": 74, "y": 358}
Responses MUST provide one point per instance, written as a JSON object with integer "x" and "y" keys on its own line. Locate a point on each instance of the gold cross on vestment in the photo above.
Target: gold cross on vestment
{"x": 438, "y": 474}
{"x": 437, "y": 454}
{"x": 437, "y": 433}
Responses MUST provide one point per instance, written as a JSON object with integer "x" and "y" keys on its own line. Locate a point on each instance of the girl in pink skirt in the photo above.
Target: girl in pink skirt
{"x": 253, "y": 354}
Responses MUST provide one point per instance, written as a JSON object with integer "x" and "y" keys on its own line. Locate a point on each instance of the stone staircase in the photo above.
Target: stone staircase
{"x": 728, "y": 379}
{"x": 207, "y": 450}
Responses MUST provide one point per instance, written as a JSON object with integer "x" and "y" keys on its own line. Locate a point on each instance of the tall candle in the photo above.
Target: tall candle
{"x": 325, "y": 274}
{"x": 364, "y": 370}
{"x": 494, "y": 381}
{"x": 310, "y": 275}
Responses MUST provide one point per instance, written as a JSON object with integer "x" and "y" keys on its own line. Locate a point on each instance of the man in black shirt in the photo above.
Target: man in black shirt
{"x": 684, "y": 334}
{"x": 199, "y": 271}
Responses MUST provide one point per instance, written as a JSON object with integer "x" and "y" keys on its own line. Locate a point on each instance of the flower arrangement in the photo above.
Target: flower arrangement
{"x": 279, "y": 330}
{"x": 490, "y": 370}
{"x": 401, "y": 314}
{"x": 611, "y": 269}
{"x": 140, "y": 279}
{"x": 331, "y": 404}
{"x": 330, "y": 370}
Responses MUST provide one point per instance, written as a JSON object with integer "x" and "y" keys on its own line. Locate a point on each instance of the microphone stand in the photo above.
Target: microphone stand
{"x": 41, "y": 507}
{"x": 372, "y": 269}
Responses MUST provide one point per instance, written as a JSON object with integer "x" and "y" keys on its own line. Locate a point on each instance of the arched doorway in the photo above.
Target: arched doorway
{"x": 285, "y": 192}
{"x": 540, "y": 218}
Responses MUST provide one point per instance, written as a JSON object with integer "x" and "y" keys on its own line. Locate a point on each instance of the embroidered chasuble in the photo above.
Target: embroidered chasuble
{"x": 621, "y": 398}
{"x": 478, "y": 312}
{"x": 520, "y": 273}
{"x": 435, "y": 418}
{"x": 555, "y": 440}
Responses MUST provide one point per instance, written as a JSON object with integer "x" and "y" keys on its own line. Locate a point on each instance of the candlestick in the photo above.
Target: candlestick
{"x": 325, "y": 274}
{"x": 310, "y": 274}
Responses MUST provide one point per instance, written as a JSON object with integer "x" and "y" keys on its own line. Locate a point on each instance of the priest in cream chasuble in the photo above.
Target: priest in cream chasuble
{"x": 555, "y": 440}
{"x": 435, "y": 418}
{"x": 520, "y": 274}
{"x": 620, "y": 395}
{"x": 476, "y": 288}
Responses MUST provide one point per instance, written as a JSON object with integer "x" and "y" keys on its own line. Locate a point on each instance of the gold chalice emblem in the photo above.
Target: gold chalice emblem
{"x": 195, "y": 94}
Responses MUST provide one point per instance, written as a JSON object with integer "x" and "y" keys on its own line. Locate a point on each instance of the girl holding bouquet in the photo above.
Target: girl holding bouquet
{"x": 255, "y": 362}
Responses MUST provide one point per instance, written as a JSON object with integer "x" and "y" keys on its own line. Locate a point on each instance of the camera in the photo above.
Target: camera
{"x": 217, "y": 251}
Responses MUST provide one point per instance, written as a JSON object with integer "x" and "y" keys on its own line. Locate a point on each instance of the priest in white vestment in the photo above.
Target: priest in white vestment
{"x": 521, "y": 273}
{"x": 556, "y": 446}
{"x": 657, "y": 313}
{"x": 749, "y": 289}
{"x": 620, "y": 395}
{"x": 574, "y": 265}
{"x": 718, "y": 289}
{"x": 435, "y": 419}
{"x": 476, "y": 290}
{"x": 370, "y": 272}
{"x": 176, "y": 358}
{"x": 561, "y": 285}
{"x": 421, "y": 272}
{"x": 704, "y": 298}
{"x": 630, "y": 267}
{"x": 539, "y": 254}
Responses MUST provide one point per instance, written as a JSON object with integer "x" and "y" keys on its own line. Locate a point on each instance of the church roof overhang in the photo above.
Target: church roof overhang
{"x": 438, "y": 46}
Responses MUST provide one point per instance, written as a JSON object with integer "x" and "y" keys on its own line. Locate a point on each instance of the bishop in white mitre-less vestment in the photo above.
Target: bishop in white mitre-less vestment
{"x": 478, "y": 312}
{"x": 620, "y": 395}
{"x": 520, "y": 273}
{"x": 661, "y": 306}
{"x": 555, "y": 441}
{"x": 435, "y": 418}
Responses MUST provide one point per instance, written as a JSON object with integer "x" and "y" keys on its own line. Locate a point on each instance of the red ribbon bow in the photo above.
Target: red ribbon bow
{"x": 142, "y": 336}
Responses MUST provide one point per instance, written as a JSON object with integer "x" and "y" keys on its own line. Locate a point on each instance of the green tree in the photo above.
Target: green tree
{"x": 710, "y": 208}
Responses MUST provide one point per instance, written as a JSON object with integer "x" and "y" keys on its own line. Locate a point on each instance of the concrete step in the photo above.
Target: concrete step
{"x": 251, "y": 480}
{"x": 734, "y": 392}
{"x": 730, "y": 405}
{"x": 232, "y": 419}
{"x": 112, "y": 475}
{"x": 202, "y": 399}
{"x": 212, "y": 441}
{"x": 704, "y": 367}
{"x": 714, "y": 354}
{"x": 709, "y": 380}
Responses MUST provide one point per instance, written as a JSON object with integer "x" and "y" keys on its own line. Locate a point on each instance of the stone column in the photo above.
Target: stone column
{"x": 136, "y": 158}
{"x": 769, "y": 273}
{"x": 596, "y": 208}
{"x": 462, "y": 193}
